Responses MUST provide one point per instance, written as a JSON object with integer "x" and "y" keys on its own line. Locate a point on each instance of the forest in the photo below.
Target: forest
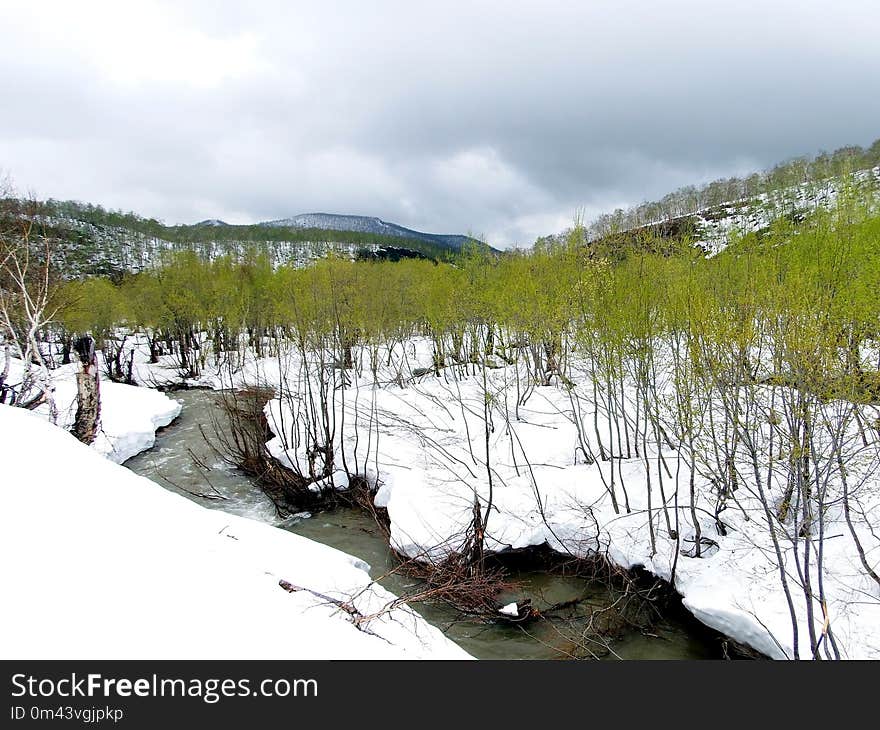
{"x": 712, "y": 198}
{"x": 704, "y": 395}
{"x": 80, "y": 219}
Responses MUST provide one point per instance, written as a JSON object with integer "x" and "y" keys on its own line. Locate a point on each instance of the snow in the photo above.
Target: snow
{"x": 430, "y": 456}
{"x": 509, "y": 610}
{"x": 130, "y": 415}
{"x": 747, "y": 215}
{"x": 124, "y": 249}
{"x": 736, "y": 590}
{"x": 104, "y": 564}
{"x": 363, "y": 224}
{"x": 103, "y": 247}
{"x": 716, "y": 225}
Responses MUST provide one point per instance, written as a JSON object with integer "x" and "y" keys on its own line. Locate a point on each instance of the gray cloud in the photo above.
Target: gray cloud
{"x": 496, "y": 118}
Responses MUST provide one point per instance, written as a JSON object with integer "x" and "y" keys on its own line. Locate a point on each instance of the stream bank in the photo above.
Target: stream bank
{"x": 183, "y": 462}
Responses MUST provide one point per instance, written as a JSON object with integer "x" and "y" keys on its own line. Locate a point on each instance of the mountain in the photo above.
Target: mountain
{"x": 93, "y": 240}
{"x": 366, "y": 224}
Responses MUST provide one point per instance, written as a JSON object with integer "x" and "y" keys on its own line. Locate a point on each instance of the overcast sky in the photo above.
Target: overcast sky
{"x": 494, "y": 118}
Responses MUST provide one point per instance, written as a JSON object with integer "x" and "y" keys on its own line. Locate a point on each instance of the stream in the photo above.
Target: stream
{"x": 183, "y": 462}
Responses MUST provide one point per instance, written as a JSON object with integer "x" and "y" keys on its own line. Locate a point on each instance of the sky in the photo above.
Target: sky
{"x": 498, "y": 119}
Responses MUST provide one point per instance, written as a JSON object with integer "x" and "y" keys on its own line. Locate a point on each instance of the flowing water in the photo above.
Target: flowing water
{"x": 183, "y": 461}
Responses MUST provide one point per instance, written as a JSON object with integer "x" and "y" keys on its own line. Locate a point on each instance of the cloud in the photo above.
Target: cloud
{"x": 494, "y": 118}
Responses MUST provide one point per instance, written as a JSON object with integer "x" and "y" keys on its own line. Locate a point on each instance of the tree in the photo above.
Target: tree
{"x": 28, "y": 302}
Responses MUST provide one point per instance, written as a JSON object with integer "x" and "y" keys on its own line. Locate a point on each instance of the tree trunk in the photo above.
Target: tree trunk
{"x": 7, "y": 356}
{"x": 65, "y": 350}
{"x": 88, "y": 396}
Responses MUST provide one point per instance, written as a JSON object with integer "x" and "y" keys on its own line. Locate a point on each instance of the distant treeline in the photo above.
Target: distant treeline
{"x": 193, "y": 234}
{"x": 821, "y": 283}
{"x": 692, "y": 199}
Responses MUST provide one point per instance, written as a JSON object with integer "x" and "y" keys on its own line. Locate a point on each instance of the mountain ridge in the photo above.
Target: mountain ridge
{"x": 365, "y": 224}
{"x": 94, "y": 240}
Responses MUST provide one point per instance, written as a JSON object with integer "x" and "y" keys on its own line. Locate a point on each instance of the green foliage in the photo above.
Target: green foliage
{"x": 202, "y": 237}
{"x": 810, "y": 287}
{"x": 94, "y": 305}
{"x": 671, "y": 216}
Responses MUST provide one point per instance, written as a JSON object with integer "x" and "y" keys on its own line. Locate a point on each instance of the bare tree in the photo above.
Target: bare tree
{"x": 27, "y": 304}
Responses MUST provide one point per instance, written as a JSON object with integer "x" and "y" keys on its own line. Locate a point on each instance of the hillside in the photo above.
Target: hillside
{"x": 707, "y": 215}
{"x": 96, "y": 241}
{"x": 712, "y": 229}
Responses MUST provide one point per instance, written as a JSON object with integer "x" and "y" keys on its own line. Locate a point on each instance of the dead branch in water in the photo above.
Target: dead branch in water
{"x": 240, "y": 435}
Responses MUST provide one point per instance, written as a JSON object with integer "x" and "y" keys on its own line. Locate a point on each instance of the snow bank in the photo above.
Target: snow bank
{"x": 129, "y": 415}
{"x": 544, "y": 493}
{"x": 129, "y": 418}
{"x": 428, "y": 459}
{"x": 102, "y": 563}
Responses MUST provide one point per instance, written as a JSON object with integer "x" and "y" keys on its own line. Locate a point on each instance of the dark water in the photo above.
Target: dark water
{"x": 183, "y": 462}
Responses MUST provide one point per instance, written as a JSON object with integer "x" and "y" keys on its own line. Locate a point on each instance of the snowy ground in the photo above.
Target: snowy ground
{"x": 102, "y": 563}
{"x": 129, "y": 415}
{"x": 428, "y": 455}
